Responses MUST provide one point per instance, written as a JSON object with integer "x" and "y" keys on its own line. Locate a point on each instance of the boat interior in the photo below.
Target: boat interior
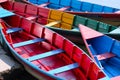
{"x": 63, "y": 20}
{"x": 48, "y": 50}
{"x": 105, "y": 51}
{"x": 73, "y": 5}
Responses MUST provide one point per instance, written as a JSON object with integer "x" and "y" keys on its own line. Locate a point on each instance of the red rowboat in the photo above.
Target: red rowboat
{"x": 44, "y": 53}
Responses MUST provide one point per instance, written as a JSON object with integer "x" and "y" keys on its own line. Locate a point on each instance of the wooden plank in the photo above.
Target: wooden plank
{"x": 5, "y": 13}
{"x": 31, "y": 17}
{"x": 115, "y": 78}
{"x": 52, "y": 23}
{"x": 89, "y": 33}
{"x": 64, "y": 8}
{"x": 105, "y": 56}
{"x": 44, "y": 4}
{"x": 46, "y": 54}
{"x": 64, "y": 68}
{"x": 28, "y": 42}
{"x": 12, "y": 30}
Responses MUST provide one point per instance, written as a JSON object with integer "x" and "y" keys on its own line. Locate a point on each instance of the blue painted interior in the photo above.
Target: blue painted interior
{"x": 65, "y": 2}
{"x": 75, "y": 5}
{"x": 42, "y": 1}
{"x": 116, "y": 48}
{"x": 101, "y": 45}
{"x": 97, "y": 8}
{"x": 54, "y": 1}
{"x": 108, "y": 9}
{"x": 54, "y": 6}
{"x": 92, "y": 50}
{"x": 116, "y": 10}
{"x": 33, "y": 1}
{"x": 112, "y": 67}
{"x": 95, "y": 53}
{"x": 86, "y": 6}
{"x": 98, "y": 62}
{"x": 97, "y": 44}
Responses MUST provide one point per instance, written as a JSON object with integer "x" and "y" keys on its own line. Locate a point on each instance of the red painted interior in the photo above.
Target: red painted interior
{"x": 72, "y": 54}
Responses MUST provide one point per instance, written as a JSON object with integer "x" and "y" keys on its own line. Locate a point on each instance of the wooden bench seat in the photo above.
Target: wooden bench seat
{"x": 64, "y": 68}
{"x": 115, "y": 78}
{"x": 12, "y": 30}
{"x": 105, "y": 56}
{"x": 31, "y": 17}
{"x": 46, "y": 54}
{"x": 100, "y": 56}
{"x": 52, "y": 23}
{"x": 64, "y": 8}
{"x": 28, "y": 42}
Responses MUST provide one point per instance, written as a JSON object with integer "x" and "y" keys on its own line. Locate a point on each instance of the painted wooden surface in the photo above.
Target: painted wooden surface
{"x": 5, "y": 13}
{"x": 104, "y": 50}
{"x": 74, "y": 5}
{"x": 110, "y": 3}
{"x": 72, "y": 62}
{"x": 67, "y": 22}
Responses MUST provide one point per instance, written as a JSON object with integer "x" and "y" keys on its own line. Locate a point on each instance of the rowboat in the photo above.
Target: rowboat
{"x": 72, "y": 6}
{"x": 44, "y": 53}
{"x": 109, "y": 18}
{"x": 86, "y": 9}
{"x": 64, "y": 23}
{"x": 104, "y": 50}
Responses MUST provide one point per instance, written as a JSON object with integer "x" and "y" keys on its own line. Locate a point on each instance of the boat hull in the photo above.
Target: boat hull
{"x": 94, "y": 11}
{"x": 109, "y": 18}
{"x": 75, "y": 36}
{"x": 27, "y": 66}
{"x": 104, "y": 50}
{"x": 34, "y": 46}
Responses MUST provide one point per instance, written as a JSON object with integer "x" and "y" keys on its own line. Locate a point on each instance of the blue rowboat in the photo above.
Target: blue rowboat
{"x": 72, "y": 6}
{"x": 104, "y": 50}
